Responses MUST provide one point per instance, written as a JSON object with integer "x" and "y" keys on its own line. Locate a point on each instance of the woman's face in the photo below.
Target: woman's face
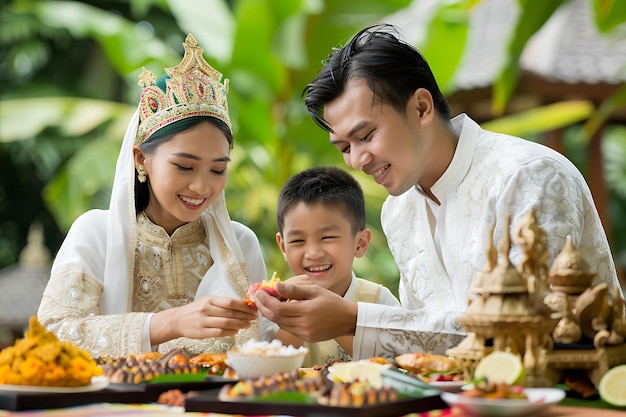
{"x": 185, "y": 174}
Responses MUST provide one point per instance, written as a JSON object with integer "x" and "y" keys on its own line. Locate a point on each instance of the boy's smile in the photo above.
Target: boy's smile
{"x": 318, "y": 241}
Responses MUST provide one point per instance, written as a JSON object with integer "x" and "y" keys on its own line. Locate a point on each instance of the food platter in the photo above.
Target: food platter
{"x": 28, "y": 398}
{"x": 538, "y": 400}
{"x": 209, "y": 401}
{"x": 24, "y": 399}
{"x": 150, "y": 391}
{"x": 97, "y": 383}
{"x": 153, "y": 390}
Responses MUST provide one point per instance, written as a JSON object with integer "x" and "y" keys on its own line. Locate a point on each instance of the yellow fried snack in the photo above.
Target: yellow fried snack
{"x": 266, "y": 285}
{"x": 43, "y": 360}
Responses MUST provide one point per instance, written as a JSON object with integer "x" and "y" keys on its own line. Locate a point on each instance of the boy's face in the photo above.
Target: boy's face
{"x": 397, "y": 150}
{"x": 318, "y": 241}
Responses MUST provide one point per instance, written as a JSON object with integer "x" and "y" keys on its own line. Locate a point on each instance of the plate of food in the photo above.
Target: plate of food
{"x": 511, "y": 401}
{"x": 97, "y": 383}
{"x": 448, "y": 386}
{"x": 439, "y": 371}
{"x": 378, "y": 375}
{"x": 309, "y": 396}
{"x": 366, "y": 388}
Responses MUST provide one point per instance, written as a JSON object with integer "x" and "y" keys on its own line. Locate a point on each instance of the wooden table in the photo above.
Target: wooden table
{"x": 569, "y": 407}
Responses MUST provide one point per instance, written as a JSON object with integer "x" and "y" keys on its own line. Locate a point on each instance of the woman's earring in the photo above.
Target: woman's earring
{"x": 141, "y": 174}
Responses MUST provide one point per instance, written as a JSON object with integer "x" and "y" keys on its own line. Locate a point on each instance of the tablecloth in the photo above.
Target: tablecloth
{"x": 157, "y": 410}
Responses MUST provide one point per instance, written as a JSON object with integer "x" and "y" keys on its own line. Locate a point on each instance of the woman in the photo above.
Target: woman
{"x": 164, "y": 267}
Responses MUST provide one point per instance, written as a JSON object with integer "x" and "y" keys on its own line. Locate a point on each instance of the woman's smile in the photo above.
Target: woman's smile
{"x": 192, "y": 203}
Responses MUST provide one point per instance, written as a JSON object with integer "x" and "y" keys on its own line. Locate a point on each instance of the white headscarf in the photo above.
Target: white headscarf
{"x": 121, "y": 237}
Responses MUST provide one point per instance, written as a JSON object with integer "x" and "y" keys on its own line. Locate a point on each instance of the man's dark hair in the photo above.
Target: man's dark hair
{"x": 394, "y": 70}
{"x": 331, "y": 186}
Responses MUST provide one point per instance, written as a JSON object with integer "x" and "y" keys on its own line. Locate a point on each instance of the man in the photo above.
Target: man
{"x": 449, "y": 181}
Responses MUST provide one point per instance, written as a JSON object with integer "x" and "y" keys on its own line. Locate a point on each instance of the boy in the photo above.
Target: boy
{"x": 321, "y": 228}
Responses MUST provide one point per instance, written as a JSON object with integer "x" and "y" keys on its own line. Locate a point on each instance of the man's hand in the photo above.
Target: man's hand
{"x": 312, "y": 313}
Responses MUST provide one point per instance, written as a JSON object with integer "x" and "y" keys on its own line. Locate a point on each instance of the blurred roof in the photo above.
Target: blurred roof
{"x": 568, "y": 49}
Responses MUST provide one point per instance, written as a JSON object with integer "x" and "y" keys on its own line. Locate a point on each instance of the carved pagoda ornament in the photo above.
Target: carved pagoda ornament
{"x": 553, "y": 317}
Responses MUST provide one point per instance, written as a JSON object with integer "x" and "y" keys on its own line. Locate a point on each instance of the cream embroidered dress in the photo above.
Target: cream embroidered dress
{"x": 440, "y": 248}
{"x": 115, "y": 268}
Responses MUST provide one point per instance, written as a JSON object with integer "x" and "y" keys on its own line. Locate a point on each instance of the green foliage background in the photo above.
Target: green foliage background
{"x": 69, "y": 86}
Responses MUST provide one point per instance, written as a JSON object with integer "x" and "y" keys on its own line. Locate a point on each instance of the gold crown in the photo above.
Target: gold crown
{"x": 192, "y": 89}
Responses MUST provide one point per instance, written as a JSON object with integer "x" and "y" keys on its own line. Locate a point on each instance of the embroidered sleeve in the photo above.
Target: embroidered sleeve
{"x": 70, "y": 308}
{"x": 564, "y": 208}
{"x": 387, "y": 331}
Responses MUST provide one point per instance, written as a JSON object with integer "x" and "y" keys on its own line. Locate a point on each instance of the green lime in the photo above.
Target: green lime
{"x": 612, "y": 387}
{"x": 501, "y": 367}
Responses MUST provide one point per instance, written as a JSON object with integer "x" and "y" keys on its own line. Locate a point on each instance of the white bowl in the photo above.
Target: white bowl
{"x": 250, "y": 366}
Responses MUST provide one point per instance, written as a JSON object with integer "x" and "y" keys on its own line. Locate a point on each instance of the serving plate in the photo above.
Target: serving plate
{"x": 151, "y": 390}
{"x": 538, "y": 400}
{"x": 206, "y": 401}
{"x": 448, "y": 386}
{"x": 22, "y": 398}
{"x": 97, "y": 383}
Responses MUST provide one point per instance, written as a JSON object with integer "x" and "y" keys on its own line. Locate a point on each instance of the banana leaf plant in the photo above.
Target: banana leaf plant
{"x": 269, "y": 50}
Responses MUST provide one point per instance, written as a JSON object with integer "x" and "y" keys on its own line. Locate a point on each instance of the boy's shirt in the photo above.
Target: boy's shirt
{"x": 360, "y": 290}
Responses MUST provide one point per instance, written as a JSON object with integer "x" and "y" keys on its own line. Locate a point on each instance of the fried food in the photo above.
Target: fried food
{"x": 358, "y": 394}
{"x": 424, "y": 363}
{"x": 41, "y": 359}
{"x": 208, "y": 359}
{"x": 580, "y": 383}
{"x": 496, "y": 391}
{"x": 380, "y": 360}
{"x": 312, "y": 372}
{"x": 281, "y": 382}
{"x": 215, "y": 362}
{"x": 175, "y": 397}
{"x": 266, "y": 285}
{"x": 135, "y": 369}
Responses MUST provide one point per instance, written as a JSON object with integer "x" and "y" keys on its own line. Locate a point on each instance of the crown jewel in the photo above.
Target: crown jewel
{"x": 192, "y": 89}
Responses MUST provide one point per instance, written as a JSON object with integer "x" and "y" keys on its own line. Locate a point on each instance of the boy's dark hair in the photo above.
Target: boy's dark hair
{"x": 393, "y": 69}
{"x": 331, "y": 186}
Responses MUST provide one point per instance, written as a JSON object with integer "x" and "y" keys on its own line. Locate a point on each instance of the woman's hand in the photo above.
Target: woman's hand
{"x": 208, "y": 316}
{"x": 318, "y": 314}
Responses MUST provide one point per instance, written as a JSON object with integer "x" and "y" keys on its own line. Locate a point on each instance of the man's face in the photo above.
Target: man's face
{"x": 373, "y": 137}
